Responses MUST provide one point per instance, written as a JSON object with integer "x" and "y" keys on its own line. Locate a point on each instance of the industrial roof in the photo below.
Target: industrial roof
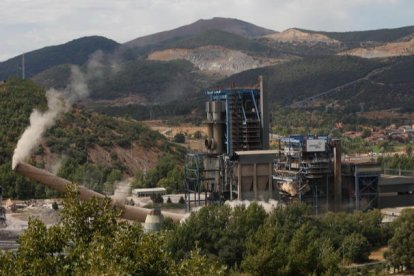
{"x": 149, "y": 190}
{"x": 256, "y": 152}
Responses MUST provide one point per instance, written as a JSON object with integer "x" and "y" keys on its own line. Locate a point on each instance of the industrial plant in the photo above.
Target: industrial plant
{"x": 237, "y": 163}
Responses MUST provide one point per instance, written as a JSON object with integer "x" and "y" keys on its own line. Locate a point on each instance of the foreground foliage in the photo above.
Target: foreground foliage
{"x": 216, "y": 240}
{"x": 90, "y": 240}
{"x": 401, "y": 246}
{"x": 288, "y": 241}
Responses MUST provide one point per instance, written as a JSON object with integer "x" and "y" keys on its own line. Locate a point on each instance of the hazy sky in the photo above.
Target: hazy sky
{"x": 27, "y": 25}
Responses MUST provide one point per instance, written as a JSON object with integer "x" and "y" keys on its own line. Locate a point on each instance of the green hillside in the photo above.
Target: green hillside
{"x": 392, "y": 88}
{"x": 77, "y": 136}
{"x": 302, "y": 49}
{"x": 157, "y": 81}
{"x": 381, "y": 35}
{"x": 143, "y": 89}
{"x": 74, "y": 52}
{"x": 297, "y": 80}
{"x": 402, "y": 72}
{"x": 154, "y": 81}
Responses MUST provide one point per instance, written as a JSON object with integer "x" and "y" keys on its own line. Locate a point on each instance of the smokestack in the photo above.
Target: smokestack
{"x": 59, "y": 184}
{"x": 264, "y": 109}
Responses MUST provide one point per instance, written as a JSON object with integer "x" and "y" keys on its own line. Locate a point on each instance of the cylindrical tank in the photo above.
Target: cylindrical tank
{"x": 217, "y": 109}
{"x": 209, "y": 111}
{"x": 218, "y": 138}
{"x": 209, "y": 141}
{"x": 153, "y": 221}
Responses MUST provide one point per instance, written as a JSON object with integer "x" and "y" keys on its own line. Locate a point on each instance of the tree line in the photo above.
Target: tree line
{"x": 216, "y": 240}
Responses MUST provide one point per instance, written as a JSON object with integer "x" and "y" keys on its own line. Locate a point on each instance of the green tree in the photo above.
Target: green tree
{"x": 91, "y": 240}
{"x": 198, "y": 135}
{"x": 243, "y": 223}
{"x": 203, "y": 228}
{"x": 288, "y": 243}
{"x": 356, "y": 248}
{"x": 409, "y": 150}
{"x": 366, "y": 133}
{"x": 179, "y": 138}
{"x": 401, "y": 246}
{"x": 199, "y": 265}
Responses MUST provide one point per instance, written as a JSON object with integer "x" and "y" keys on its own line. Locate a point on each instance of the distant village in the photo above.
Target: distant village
{"x": 403, "y": 134}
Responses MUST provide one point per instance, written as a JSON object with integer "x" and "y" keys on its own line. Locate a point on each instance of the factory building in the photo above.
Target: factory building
{"x": 237, "y": 163}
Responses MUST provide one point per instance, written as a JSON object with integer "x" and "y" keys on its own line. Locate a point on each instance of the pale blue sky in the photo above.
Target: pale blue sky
{"x": 27, "y": 25}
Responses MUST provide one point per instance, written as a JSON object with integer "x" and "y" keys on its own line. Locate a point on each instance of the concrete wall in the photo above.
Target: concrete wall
{"x": 254, "y": 181}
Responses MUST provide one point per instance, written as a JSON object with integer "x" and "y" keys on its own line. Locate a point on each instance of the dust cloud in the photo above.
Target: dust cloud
{"x": 122, "y": 190}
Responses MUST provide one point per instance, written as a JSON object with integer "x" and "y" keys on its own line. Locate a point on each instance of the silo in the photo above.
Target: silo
{"x": 153, "y": 221}
{"x": 217, "y": 108}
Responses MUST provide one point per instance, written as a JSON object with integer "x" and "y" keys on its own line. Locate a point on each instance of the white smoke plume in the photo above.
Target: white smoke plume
{"x": 267, "y": 206}
{"x": 122, "y": 190}
{"x": 57, "y": 165}
{"x": 58, "y": 102}
{"x": 39, "y": 122}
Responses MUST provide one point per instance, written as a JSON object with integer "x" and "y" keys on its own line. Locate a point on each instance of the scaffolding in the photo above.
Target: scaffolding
{"x": 366, "y": 190}
{"x": 193, "y": 180}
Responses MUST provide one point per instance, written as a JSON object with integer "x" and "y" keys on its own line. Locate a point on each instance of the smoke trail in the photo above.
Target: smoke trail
{"x": 122, "y": 190}
{"x": 58, "y": 102}
{"x": 39, "y": 122}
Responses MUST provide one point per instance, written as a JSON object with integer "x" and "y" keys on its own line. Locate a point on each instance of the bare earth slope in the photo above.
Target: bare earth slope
{"x": 215, "y": 59}
{"x": 392, "y": 49}
{"x": 297, "y": 36}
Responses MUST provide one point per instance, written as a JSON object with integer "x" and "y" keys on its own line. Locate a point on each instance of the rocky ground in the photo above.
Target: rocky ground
{"x": 17, "y": 221}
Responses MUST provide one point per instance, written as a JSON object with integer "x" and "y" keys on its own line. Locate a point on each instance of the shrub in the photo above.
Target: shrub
{"x": 179, "y": 138}
{"x": 55, "y": 206}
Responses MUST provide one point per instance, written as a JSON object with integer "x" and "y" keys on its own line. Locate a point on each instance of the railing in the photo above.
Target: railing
{"x": 398, "y": 172}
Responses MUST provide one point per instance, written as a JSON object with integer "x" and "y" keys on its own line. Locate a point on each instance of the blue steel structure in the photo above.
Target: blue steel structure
{"x": 235, "y": 122}
{"x": 243, "y": 116}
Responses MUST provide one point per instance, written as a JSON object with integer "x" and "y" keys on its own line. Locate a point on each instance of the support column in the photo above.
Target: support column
{"x": 264, "y": 120}
{"x": 337, "y": 175}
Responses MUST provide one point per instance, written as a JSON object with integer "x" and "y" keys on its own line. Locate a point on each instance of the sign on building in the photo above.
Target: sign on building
{"x": 315, "y": 145}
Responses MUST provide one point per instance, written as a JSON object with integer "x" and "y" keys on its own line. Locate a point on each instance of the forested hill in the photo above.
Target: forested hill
{"x": 164, "y": 75}
{"x": 88, "y": 148}
{"x": 380, "y": 35}
{"x": 76, "y": 51}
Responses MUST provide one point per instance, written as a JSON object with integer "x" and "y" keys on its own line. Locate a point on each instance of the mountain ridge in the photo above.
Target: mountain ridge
{"x": 230, "y": 25}
{"x": 76, "y": 51}
{"x": 167, "y": 78}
